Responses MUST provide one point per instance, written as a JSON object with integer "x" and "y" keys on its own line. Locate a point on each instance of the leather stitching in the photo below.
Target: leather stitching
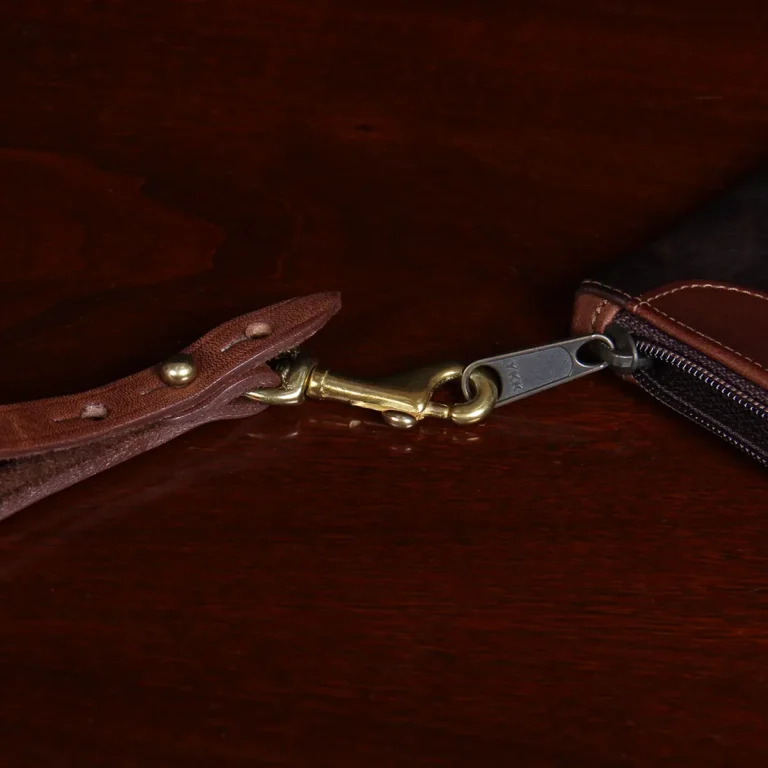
{"x": 610, "y": 288}
{"x": 600, "y": 307}
{"x": 598, "y": 310}
{"x": 716, "y": 287}
{"x": 150, "y": 391}
{"x": 234, "y": 343}
{"x": 707, "y": 338}
{"x": 640, "y": 302}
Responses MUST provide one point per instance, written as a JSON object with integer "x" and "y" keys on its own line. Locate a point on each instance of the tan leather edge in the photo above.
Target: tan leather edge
{"x": 594, "y": 309}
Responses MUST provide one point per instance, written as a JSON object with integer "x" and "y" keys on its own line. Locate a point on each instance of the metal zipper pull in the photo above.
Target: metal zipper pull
{"x": 533, "y": 370}
{"x": 406, "y": 399}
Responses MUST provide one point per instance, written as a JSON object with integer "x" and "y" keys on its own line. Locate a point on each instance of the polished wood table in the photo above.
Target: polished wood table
{"x": 582, "y": 581}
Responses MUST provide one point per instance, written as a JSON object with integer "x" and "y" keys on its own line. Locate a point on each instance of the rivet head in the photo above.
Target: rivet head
{"x": 178, "y": 371}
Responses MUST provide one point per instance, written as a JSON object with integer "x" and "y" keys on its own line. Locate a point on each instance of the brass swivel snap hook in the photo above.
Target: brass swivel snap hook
{"x": 486, "y": 384}
{"x": 402, "y": 400}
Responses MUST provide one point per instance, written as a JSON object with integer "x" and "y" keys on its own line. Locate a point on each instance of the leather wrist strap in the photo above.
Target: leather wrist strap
{"x": 48, "y": 445}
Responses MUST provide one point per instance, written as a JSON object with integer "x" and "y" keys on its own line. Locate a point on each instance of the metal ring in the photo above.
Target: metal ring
{"x": 481, "y": 404}
{"x": 601, "y": 345}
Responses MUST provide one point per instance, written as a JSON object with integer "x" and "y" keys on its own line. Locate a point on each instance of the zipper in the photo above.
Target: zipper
{"x": 703, "y": 390}
{"x": 662, "y": 355}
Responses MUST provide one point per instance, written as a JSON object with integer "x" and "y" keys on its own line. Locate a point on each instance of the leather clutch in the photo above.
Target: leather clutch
{"x": 695, "y": 301}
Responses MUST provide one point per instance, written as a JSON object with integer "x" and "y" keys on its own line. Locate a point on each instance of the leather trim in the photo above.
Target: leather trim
{"x": 593, "y": 312}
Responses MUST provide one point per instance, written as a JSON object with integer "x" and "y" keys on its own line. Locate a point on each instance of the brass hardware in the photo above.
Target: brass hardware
{"x": 484, "y": 397}
{"x": 178, "y": 371}
{"x": 295, "y": 375}
{"x": 403, "y": 400}
{"x": 398, "y": 419}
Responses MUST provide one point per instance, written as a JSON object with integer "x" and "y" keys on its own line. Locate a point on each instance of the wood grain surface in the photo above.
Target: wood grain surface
{"x": 582, "y": 581}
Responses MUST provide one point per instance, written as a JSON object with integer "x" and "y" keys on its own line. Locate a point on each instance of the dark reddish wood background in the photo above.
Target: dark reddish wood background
{"x": 581, "y": 581}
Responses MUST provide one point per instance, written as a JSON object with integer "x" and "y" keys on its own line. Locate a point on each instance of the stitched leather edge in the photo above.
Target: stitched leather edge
{"x": 595, "y": 307}
{"x": 712, "y": 286}
{"x": 603, "y": 302}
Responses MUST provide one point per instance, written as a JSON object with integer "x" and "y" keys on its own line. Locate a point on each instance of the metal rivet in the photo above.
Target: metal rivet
{"x": 178, "y": 371}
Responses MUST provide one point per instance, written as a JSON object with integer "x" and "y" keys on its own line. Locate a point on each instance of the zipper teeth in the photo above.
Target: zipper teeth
{"x": 652, "y": 387}
{"x": 685, "y": 365}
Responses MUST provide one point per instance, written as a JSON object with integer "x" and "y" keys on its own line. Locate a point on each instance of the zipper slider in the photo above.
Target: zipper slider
{"x": 529, "y": 371}
{"x": 624, "y": 358}
{"x": 533, "y": 370}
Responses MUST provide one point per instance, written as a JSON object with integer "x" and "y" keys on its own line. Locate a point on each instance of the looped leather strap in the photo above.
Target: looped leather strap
{"x": 48, "y": 445}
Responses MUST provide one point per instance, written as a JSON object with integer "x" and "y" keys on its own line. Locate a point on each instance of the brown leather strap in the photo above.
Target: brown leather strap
{"x": 51, "y": 444}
